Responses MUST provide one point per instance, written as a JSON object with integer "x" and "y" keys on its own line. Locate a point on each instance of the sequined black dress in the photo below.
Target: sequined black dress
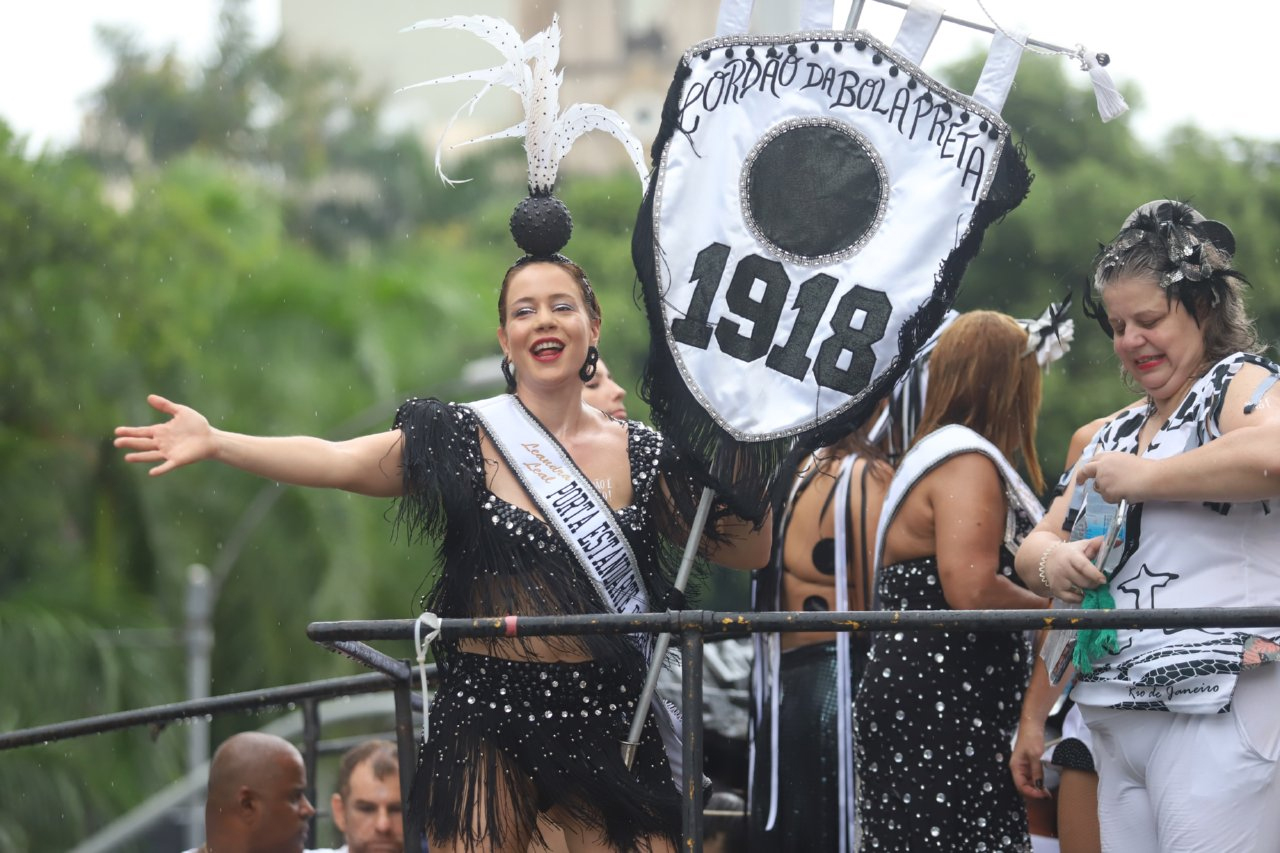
{"x": 933, "y": 724}
{"x": 536, "y": 733}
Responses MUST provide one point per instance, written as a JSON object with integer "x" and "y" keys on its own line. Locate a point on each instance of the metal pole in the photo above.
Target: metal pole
{"x": 692, "y": 735}
{"x": 973, "y": 25}
{"x": 855, "y": 12}
{"x": 405, "y": 743}
{"x": 199, "y": 637}
{"x": 159, "y": 716}
{"x": 311, "y": 758}
{"x": 632, "y": 742}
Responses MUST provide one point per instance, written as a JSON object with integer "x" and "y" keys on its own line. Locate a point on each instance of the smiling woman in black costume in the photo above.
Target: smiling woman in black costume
{"x": 541, "y": 505}
{"x": 522, "y": 724}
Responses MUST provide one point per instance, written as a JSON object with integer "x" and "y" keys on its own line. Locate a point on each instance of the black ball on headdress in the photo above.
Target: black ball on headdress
{"x": 541, "y": 225}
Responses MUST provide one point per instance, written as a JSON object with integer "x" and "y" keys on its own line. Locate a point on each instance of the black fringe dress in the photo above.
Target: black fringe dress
{"x": 509, "y": 738}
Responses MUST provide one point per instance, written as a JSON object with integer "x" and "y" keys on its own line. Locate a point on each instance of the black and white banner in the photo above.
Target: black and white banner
{"x": 815, "y": 200}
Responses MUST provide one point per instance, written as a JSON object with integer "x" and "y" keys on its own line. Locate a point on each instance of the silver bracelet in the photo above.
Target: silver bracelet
{"x": 1044, "y": 560}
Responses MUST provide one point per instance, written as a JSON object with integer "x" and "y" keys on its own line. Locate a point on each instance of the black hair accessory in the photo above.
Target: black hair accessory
{"x": 541, "y": 225}
{"x": 1095, "y": 310}
{"x": 1193, "y": 255}
{"x": 1197, "y": 249}
{"x": 1049, "y": 336}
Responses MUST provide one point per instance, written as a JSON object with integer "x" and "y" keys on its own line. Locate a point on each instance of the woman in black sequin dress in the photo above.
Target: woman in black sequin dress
{"x": 521, "y": 725}
{"x": 936, "y": 710}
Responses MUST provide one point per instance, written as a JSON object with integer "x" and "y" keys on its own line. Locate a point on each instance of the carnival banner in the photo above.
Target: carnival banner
{"x": 814, "y": 201}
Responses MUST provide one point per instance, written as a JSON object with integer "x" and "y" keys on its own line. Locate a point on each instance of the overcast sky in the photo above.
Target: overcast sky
{"x": 1190, "y": 65}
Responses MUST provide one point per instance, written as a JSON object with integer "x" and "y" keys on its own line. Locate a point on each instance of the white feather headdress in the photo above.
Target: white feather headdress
{"x": 529, "y": 70}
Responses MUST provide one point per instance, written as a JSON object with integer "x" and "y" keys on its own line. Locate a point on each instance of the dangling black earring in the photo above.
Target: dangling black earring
{"x": 509, "y": 374}
{"x": 588, "y": 369}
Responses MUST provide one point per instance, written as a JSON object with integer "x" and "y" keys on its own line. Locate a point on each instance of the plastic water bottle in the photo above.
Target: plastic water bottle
{"x": 1098, "y": 517}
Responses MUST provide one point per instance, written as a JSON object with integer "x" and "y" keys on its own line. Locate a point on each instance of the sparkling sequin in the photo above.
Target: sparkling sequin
{"x": 500, "y": 559}
{"x": 941, "y": 706}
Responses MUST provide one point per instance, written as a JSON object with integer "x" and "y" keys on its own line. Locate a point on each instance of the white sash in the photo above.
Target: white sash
{"x": 766, "y": 687}
{"x": 844, "y": 660}
{"x": 936, "y": 448}
{"x": 586, "y": 523}
{"x": 568, "y": 501}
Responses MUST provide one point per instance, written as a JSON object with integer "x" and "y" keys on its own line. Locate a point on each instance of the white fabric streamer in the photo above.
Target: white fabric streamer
{"x": 420, "y": 645}
{"x": 1110, "y": 102}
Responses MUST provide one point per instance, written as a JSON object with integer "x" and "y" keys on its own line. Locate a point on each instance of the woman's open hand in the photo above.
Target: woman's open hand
{"x": 185, "y": 438}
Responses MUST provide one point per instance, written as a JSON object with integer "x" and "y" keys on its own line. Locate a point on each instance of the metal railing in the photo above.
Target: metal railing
{"x": 693, "y": 626}
{"x": 305, "y": 697}
{"x": 352, "y": 638}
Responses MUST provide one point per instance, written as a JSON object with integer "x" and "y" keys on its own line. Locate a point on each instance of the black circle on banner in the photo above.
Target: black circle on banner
{"x": 814, "y": 190}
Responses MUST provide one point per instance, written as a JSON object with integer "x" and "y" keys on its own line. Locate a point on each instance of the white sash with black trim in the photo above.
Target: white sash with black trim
{"x": 931, "y": 451}
{"x": 567, "y": 499}
{"x": 586, "y": 523}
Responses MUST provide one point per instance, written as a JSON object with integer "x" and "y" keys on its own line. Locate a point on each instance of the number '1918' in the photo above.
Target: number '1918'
{"x": 811, "y": 300}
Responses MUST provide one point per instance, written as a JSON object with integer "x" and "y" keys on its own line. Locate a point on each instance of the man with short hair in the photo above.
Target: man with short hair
{"x": 366, "y": 807}
{"x": 257, "y": 800}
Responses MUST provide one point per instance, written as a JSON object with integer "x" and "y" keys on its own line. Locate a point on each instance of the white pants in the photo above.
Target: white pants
{"x": 1192, "y": 783}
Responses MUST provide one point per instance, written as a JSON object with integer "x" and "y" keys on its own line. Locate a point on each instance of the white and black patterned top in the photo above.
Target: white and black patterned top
{"x": 1187, "y": 554}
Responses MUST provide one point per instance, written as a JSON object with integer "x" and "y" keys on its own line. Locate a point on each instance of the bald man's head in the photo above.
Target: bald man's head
{"x": 257, "y": 796}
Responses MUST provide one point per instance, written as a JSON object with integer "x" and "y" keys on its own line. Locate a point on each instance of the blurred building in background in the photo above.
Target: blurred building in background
{"x": 620, "y": 53}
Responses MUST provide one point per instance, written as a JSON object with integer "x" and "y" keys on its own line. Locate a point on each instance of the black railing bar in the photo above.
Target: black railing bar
{"x": 250, "y": 700}
{"x": 406, "y": 741}
{"x": 365, "y": 654}
{"x": 691, "y": 743}
{"x": 311, "y": 757}
{"x": 742, "y": 623}
{"x": 400, "y": 670}
{"x": 339, "y": 745}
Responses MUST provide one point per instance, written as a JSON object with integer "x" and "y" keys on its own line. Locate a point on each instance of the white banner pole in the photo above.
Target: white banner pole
{"x": 664, "y": 640}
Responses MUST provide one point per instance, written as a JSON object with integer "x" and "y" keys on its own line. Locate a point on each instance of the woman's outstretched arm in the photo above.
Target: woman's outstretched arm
{"x": 369, "y": 465}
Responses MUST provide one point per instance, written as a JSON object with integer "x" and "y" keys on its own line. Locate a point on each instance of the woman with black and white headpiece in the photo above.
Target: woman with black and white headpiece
{"x": 541, "y": 505}
{"x": 1184, "y": 727}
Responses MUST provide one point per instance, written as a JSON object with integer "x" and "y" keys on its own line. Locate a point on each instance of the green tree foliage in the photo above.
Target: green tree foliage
{"x": 243, "y": 238}
{"x": 77, "y": 578}
{"x": 348, "y": 185}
